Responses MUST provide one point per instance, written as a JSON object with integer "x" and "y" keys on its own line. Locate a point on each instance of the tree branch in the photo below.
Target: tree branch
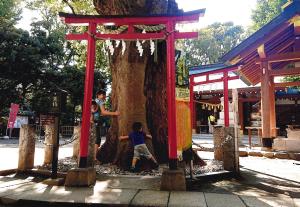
{"x": 70, "y": 6}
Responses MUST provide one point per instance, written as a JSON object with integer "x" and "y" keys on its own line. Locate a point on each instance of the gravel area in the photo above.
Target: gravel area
{"x": 108, "y": 169}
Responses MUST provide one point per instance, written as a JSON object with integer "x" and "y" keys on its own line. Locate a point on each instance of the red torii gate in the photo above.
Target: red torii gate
{"x": 169, "y": 34}
{"x": 225, "y": 78}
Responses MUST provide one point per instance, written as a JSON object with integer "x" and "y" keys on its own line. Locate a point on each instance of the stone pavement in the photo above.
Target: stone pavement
{"x": 125, "y": 191}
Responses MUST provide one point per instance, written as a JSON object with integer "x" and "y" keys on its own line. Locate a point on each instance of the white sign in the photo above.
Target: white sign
{"x": 20, "y": 120}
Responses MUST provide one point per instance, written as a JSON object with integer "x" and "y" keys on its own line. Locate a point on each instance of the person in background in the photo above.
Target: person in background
{"x": 211, "y": 122}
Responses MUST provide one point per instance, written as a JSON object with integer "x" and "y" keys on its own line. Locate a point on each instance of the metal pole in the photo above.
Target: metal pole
{"x": 55, "y": 149}
{"x": 172, "y": 142}
{"x": 88, "y": 92}
{"x": 192, "y": 101}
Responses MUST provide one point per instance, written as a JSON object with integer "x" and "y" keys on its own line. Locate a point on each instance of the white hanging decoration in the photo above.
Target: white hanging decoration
{"x": 123, "y": 47}
{"x": 104, "y": 50}
{"x": 108, "y": 43}
{"x": 144, "y": 32}
{"x": 117, "y": 43}
{"x": 111, "y": 49}
{"x": 152, "y": 46}
{"x": 139, "y": 47}
{"x": 110, "y": 46}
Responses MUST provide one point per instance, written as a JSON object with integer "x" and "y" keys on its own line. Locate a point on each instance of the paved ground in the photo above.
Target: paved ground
{"x": 263, "y": 182}
{"x": 142, "y": 191}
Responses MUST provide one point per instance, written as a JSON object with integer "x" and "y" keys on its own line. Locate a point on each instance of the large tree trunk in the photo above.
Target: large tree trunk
{"x": 138, "y": 85}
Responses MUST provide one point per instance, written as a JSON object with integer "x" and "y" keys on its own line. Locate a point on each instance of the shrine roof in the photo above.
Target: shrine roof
{"x": 195, "y": 70}
{"x": 278, "y": 36}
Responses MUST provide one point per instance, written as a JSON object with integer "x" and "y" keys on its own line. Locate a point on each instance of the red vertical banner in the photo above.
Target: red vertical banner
{"x": 14, "y": 109}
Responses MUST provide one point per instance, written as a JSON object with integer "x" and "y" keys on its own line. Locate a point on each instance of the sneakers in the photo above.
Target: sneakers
{"x": 133, "y": 169}
{"x": 155, "y": 166}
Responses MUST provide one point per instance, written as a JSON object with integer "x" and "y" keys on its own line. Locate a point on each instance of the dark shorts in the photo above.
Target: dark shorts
{"x": 187, "y": 155}
{"x": 100, "y": 132}
{"x": 98, "y": 135}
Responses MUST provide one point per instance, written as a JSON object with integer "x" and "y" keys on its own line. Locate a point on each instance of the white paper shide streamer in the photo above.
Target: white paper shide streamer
{"x": 152, "y": 46}
{"x": 139, "y": 47}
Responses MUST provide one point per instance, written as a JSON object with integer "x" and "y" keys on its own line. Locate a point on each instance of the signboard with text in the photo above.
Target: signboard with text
{"x": 182, "y": 94}
{"x": 47, "y": 119}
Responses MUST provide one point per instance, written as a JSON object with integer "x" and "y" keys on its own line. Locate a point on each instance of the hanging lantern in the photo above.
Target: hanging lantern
{"x": 203, "y": 107}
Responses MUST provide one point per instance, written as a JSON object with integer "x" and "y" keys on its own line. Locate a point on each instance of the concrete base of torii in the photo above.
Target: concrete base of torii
{"x": 173, "y": 180}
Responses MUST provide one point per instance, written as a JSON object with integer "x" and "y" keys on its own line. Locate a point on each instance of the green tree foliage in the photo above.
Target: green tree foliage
{"x": 214, "y": 41}
{"x": 9, "y": 13}
{"x": 265, "y": 11}
{"x": 33, "y": 65}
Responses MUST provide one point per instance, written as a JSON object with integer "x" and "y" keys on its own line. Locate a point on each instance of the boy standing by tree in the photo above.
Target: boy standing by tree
{"x": 137, "y": 137}
{"x": 98, "y": 107}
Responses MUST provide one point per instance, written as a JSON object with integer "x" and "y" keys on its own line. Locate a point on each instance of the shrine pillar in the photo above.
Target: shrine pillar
{"x": 265, "y": 105}
{"x": 272, "y": 108}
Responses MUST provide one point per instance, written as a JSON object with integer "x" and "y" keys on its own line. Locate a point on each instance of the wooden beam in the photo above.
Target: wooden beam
{"x": 133, "y": 36}
{"x": 192, "y": 16}
{"x": 261, "y": 51}
{"x": 285, "y": 72}
{"x": 287, "y": 84}
{"x": 290, "y": 56}
{"x": 265, "y": 101}
{"x": 272, "y": 107}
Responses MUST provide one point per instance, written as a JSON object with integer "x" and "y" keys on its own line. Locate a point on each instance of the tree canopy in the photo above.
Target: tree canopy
{"x": 265, "y": 11}
{"x": 214, "y": 41}
{"x": 35, "y": 63}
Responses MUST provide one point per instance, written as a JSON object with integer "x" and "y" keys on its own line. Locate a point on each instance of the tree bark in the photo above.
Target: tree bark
{"x": 138, "y": 85}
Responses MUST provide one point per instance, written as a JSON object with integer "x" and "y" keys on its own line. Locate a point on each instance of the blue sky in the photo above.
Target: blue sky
{"x": 237, "y": 11}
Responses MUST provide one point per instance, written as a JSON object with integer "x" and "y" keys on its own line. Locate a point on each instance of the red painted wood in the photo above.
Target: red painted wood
{"x": 216, "y": 80}
{"x": 88, "y": 92}
{"x": 172, "y": 142}
{"x": 217, "y": 71}
{"x": 132, "y": 36}
{"x": 71, "y": 19}
{"x": 226, "y": 99}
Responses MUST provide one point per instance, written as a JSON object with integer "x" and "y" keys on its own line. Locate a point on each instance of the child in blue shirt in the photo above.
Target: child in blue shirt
{"x": 137, "y": 137}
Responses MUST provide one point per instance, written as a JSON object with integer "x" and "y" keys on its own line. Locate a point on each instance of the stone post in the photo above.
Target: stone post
{"x": 218, "y": 134}
{"x": 229, "y": 149}
{"x": 224, "y": 138}
{"x": 76, "y": 135}
{"x": 50, "y": 139}
{"x": 26, "y": 147}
